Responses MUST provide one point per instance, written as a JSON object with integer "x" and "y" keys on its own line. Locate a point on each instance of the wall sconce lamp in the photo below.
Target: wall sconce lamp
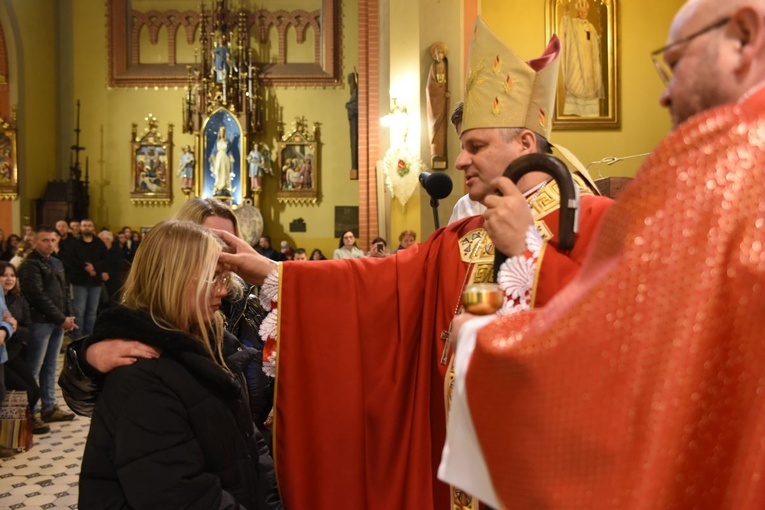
{"x": 398, "y": 123}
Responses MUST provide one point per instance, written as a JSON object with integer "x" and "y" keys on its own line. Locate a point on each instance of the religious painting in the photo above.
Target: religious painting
{"x": 151, "y": 161}
{"x": 9, "y": 173}
{"x": 221, "y": 159}
{"x": 588, "y": 84}
{"x": 298, "y": 164}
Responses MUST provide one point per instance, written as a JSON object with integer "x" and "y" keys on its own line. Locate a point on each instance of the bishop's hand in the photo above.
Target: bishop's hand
{"x": 241, "y": 258}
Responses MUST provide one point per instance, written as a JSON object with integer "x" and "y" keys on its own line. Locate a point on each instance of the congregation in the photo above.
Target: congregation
{"x": 55, "y": 281}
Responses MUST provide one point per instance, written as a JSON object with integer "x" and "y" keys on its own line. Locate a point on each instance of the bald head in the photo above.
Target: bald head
{"x": 717, "y": 54}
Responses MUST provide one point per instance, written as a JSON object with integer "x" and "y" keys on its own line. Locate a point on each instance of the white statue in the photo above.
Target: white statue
{"x": 221, "y": 163}
{"x": 186, "y": 167}
{"x": 255, "y": 162}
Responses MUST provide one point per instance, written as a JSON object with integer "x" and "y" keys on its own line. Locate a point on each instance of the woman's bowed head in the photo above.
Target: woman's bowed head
{"x": 177, "y": 279}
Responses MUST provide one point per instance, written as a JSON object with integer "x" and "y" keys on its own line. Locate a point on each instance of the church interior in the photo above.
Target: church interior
{"x": 76, "y": 74}
{"x": 103, "y": 104}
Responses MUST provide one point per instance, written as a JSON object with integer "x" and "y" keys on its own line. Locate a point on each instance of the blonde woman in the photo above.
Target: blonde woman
{"x": 173, "y": 431}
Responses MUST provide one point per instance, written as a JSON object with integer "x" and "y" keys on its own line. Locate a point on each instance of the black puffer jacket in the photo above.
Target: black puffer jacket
{"x": 243, "y": 319}
{"x": 168, "y": 433}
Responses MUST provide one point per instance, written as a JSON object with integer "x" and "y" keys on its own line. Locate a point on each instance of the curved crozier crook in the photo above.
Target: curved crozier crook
{"x": 569, "y": 196}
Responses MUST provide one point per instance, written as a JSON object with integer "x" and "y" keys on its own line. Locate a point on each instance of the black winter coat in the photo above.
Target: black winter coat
{"x": 173, "y": 432}
{"x": 19, "y": 309}
{"x": 43, "y": 284}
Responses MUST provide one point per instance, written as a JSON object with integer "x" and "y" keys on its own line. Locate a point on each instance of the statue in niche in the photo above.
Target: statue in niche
{"x": 437, "y": 93}
{"x": 353, "y": 118}
{"x": 221, "y": 59}
{"x": 186, "y": 168}
{"x": 267, "y": 163}
{"x": 255, "y": 167}
{"x": 221, "y": 163}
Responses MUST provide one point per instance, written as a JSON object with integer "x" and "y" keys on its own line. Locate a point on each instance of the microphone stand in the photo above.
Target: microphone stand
{"x": 434, "y": 205}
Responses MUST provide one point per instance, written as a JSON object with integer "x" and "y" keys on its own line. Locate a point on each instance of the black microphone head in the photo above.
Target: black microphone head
{"x": 437, "y": 184}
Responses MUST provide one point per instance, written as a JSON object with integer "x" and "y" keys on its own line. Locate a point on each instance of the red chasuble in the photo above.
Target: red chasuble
{"x": 360, "y": 419}
{"x": 359, "y": 396}
{"x": 642, "y": 384}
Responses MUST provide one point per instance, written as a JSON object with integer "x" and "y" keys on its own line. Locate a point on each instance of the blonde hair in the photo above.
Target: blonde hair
{"x": 405, "y": 233}
{"x": 173, "y": 256}
{"x": 197, "y": 210}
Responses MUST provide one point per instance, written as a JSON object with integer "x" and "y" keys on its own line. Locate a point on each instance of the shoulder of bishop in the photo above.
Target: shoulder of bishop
{"x": 547, "y": 200}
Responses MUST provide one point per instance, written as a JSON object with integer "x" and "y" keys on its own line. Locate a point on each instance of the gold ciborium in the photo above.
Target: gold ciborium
{"x": 482, "y": 298}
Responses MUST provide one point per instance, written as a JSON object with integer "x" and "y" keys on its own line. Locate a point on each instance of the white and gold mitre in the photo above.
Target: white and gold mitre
{"x": 505, "y": 91}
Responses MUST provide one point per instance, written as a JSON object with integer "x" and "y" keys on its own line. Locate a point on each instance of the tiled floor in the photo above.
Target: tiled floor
{"x": 46, "y": 475}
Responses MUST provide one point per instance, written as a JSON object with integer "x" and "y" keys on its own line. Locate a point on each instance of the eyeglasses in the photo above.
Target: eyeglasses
{"x": 662, "y": 67}
{"x": 220, "y": 282}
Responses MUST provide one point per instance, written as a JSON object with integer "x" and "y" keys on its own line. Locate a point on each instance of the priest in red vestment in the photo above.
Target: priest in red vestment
{"x": 361, "y": 350}
{"x": 642, "y": 384}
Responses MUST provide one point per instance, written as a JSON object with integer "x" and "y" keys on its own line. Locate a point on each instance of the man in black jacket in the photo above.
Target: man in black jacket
{"x": 88, "y": 259}
{"x": 43, "y": 284}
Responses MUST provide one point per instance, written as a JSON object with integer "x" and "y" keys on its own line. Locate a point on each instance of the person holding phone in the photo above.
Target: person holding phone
{"x": 378, "y": 248}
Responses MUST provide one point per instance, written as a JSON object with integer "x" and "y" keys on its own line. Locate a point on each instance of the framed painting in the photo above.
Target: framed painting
{"x": 222, "y": 155}
{"x": 588, "y": 85}
{"x": 9, "y": 172}
{"x": 298, "y": 163}
{"x": 151, "y": 158}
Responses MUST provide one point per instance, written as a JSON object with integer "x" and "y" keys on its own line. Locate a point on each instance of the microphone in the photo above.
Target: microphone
{"x": 437, "y": 184}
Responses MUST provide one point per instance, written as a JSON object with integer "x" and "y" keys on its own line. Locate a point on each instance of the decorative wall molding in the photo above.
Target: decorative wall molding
{"x": 125, "y": 25}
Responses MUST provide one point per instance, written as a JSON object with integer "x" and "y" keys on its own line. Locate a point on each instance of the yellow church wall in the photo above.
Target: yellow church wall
{"x": 34, "y": 59}
{"x": 107, "y": 115}
{"x": 642, "y": 27}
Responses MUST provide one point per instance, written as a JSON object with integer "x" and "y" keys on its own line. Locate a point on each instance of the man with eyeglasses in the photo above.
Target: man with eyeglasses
{"x": 642, "y": 385}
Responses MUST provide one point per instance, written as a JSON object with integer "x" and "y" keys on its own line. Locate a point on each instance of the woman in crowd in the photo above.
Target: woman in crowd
{"x": 18, "y": 374}
{"x": 316, "y": 254}
{"x": 406, "y": 239}
{"x": 348, "y": 248}
{"x": 173, "y": 431}
{"x": 10, "y": 247}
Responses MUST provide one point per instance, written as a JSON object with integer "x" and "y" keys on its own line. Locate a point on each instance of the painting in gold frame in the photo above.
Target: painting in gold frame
{"x": 9, "y": 172}
{"x": 151, "y": 165}
{"x": 588, "y": 85}
{"x": 298, "y": 161}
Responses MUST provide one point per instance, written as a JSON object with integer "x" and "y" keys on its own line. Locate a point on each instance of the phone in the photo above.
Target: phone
{"x": 380, "y": 246}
